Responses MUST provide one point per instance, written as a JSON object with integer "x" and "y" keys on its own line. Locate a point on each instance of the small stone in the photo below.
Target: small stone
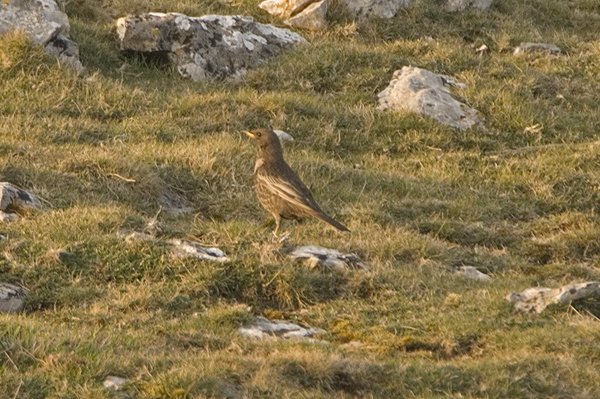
{"x": 8, "y": 217}
{"x": 12, "y": 298}
{"x": 536, "y": 47}
{"x": 13, "y": 199}
{"x": 263, "y": 328}
{"x": 482, "y": 49}
{"x": 472, "y": 273}
{"x": 313, "y": 17}
{"x": 112, "y": 382}
{"x": 185, "y": 248}
{"x": 328, "y": 258}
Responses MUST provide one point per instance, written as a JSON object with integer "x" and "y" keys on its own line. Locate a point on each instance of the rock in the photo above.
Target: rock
{"x": 47, "y": 26}
{"x": 48, "y": 9}
{"x": 8, "y": 217}
{"x": 329, "y": 258}
{"x": 13, "y": 199}
{"x": 374, "y": 8}
{"x": 262, "y": 328}
{"x": 283, "y": 136}
{"x": 472, "y": 273}
{"x": 535, "y": 300}
{"x": 536, "y": 47}
{"x": 313, "y": 17}
{"x": 419, "y": 91}
{"x": 67, "y": 51}
{"x": 461, "y": 5}
{"x": 306, "y": 14}
{"x": 12, "y": 298}
{"x": 112, "y": 382}
{"x": 185, "y": 248}
{"x": 210, "y": 46}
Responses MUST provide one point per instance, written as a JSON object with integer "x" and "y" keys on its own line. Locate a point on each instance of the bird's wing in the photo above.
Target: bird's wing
{"x": 293, "y": 191}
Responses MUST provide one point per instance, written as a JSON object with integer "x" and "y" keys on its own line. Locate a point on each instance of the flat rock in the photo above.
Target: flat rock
{"x": 112, "y": 382}
{"x": 185, "y": 248}
{"x": 423, "y": 92}
{"x": 535, "y": 300}
{"x": 262, "y": 328}
{"x": 13, "y": 199}
{"x": 328, "y": 258}
{"x": 384, "y": 9}
{"x": 536, "y": 47}
{"x": 12, "y": 298}
{"x": 461, "y": 5}
{"x": 210, "y": 46}
{"x": 472, "y": 273}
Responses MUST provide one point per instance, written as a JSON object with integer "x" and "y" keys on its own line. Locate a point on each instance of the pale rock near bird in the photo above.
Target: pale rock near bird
{"x": 420, "y": 91}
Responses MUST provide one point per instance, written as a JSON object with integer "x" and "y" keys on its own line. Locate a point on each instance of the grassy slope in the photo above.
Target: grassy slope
{"x": 419, "y": 198}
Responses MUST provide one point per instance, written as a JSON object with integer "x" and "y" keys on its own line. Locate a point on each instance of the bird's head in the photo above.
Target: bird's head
{"x": 267, "y": 140}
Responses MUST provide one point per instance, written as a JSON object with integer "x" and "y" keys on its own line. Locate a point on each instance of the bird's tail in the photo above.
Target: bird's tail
{"x": 326, "y": 218}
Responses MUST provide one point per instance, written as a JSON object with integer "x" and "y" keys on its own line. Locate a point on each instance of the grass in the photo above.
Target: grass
{"x": 107, "y": 150}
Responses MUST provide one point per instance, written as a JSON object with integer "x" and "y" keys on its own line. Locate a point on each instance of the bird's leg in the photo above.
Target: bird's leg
{"x": 277, "y": 220}
{"x": 298, "y": 230}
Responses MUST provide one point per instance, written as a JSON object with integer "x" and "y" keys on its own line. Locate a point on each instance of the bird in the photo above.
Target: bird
{"x": 278, "y": 187}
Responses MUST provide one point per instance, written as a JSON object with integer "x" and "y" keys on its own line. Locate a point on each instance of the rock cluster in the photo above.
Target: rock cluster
{"x": 210, "y": 46}
{"x": 423, "y": 92}
{"x": 45, "y": 24}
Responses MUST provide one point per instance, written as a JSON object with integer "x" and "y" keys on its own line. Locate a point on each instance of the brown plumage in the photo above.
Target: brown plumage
{"x": 278, "y": 187}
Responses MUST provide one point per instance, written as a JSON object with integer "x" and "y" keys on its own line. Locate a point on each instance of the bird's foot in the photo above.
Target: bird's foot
{"x": 284, "y": 237}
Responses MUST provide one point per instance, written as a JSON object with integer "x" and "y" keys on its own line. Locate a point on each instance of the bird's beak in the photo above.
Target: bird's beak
{"x": 249, "y": 133}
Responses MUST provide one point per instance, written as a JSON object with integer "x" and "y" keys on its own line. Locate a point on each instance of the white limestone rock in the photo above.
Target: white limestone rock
{"x": 535, "y": 300}
{"x": 472, "y": 273}
{"x": 67, "y": 52}
{"x": 12, "y": 298}
{"x": 283, "y": 136}
{"x": 536, "y": 47}
{"x": 384, "y": 9}
{"x": 263, "y": 328}
{"x": 419, "y": 91}
{"x": 461, "y": 5}
{"x": 13, "y": 199}
{"x": 185, "y": 248}
{"x": 328, "y": 258}
{"x": 210, "y": 46}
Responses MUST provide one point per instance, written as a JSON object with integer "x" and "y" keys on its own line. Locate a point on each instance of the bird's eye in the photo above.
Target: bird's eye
{"x": 257, "y": 134}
